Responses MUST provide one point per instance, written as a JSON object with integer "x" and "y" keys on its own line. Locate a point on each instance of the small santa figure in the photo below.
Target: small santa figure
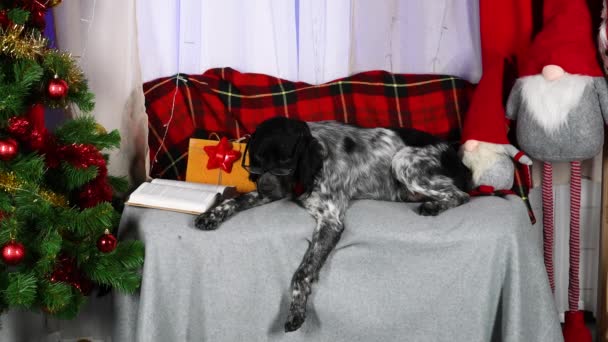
{"x": 505, "y": 31}
{"x": 560, "y": 103}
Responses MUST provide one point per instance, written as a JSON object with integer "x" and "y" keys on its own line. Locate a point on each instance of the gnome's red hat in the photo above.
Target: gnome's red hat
{"x": 485, "y": 120}
{"x": 506, "y": 29}
{"x": 566, "y": 40}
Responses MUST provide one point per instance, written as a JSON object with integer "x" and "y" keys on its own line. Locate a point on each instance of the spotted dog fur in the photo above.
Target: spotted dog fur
{"x": 335, "y": 163}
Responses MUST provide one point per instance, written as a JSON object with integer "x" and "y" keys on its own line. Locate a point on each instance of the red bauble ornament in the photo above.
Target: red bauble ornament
{"x": 57, "y": 89}
{"x": 222, "y": 155}
{"x": 37, "y": 139}
{"x": 38, "y": 20}
{"x": 107, "y": 242}
{"x": 4, "y": 20}
{"x": 84, "y": 285}
{"x": 13, "y": 253}
{"x": 94, "y": 192}
{"x": 8, "y": 149}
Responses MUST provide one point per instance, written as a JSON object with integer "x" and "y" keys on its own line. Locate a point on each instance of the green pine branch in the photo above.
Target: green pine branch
{"x": 17, "y": 86}
{"x": 90, "y": 220}
{"x": 76, "y": 177}
{"x": 85, "y": 130}
{"x": 55, "y": 297}
{"x": 71, "y": 310}
{"x": 18, "y": 16}
{"x": 118, "y": 184}
{"x": 21, "y": 289}
{"x": 118, "y": 268}
{"x": 29, "y": 168}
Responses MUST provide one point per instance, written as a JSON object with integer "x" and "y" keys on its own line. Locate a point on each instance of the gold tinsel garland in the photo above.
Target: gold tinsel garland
{"x": 18, "y": 45}
{"x": 11, "y": 183}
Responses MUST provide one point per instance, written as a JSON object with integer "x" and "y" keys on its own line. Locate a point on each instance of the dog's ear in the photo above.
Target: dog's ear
{"x": 310, "y": 160}
{"x": 248, "y": 156}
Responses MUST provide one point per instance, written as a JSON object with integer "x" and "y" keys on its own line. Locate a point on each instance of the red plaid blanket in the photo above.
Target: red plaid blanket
{"x": 229, "y": 103}
{"x": 232, "y": 104}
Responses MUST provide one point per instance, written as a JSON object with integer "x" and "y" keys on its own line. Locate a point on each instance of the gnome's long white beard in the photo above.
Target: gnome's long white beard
{"x": 550, "y": 102}
{"x": 482, "y": 159}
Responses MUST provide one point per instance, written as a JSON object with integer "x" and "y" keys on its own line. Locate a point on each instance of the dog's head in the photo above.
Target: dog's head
{"x": 283, "y": 155}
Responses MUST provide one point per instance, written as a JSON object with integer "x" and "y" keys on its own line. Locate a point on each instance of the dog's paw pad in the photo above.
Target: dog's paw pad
{"x": 207, "y": 221}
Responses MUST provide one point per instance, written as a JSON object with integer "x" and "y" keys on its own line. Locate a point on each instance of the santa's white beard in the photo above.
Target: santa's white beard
{"x": 549, "y": 102}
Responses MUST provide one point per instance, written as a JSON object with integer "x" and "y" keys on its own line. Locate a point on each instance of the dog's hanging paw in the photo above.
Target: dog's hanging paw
{"x": 209, "y": 220}
{"x": 431, "y": 208}
{"x": 295, "y": 319}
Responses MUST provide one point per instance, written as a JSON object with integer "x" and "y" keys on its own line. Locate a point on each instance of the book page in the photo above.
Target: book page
{"x": 162, "y": 196}
{"x": 226, "y": 191}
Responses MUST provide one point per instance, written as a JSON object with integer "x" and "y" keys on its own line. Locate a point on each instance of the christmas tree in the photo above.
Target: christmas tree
{"x": 56, "y": 212}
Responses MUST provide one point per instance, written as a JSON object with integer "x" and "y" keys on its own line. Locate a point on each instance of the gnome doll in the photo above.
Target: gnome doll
{"x": 560, "y": 103}
{"x": 505, "y": 29}
{"x": 490, "y": 156}
{"x": 602, "y": 36}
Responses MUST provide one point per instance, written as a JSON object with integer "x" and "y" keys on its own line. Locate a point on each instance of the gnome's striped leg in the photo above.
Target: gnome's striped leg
{"x": 548, "y": 227}
{"x": 575, "y": 208}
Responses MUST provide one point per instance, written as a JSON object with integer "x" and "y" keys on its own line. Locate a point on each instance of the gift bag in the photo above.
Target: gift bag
{"x": 198, "y": 169}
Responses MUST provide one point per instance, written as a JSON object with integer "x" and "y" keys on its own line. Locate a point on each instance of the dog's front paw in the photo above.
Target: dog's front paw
{"x": 209, "y": 220}
{"x": 295, "y": 318}
{"x": 431, "y": 208}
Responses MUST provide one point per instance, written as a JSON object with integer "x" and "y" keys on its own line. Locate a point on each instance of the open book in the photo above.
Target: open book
{"x": 185, "y": 197}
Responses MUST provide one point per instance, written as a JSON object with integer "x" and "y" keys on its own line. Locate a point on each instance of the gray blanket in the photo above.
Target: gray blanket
{"x": 473, "y": 273}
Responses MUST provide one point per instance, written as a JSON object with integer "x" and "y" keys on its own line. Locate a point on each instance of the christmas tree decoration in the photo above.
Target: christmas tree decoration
{"x": 15, "y": 42}
{"x": 107, "y": 242}
{"x": 8, "y": 149}
{"x": 52, "y": 3}
{"x": 66, "y": 271}
{"x": 56, "y": 194}
{"x": 4, "y": 20}
{"x": 13, "y": 253}
{"x": 57, "y": 88}
{"x": 37, "y": 19}
{"x": 35, "y": 115}
{"x": 18, "y": 126}
{"x": 222, "y": 155}
{"x": 99, "y": 129}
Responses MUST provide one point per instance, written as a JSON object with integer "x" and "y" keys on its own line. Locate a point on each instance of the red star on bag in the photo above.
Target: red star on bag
{"x": 222, "y": 155}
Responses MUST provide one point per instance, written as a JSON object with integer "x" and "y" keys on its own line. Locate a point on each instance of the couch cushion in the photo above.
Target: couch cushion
{"x": 232, "y": 104}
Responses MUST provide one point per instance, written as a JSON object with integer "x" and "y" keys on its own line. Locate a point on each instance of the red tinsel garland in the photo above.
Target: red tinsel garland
{"x": 78, "y": 155}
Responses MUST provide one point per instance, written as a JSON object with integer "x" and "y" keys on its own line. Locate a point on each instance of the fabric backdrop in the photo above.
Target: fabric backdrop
{"x": 313, "y": 41}
{"x": 102, "y": 36}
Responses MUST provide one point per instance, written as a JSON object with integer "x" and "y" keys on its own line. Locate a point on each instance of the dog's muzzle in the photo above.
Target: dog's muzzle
{"x": 272, "y": 186}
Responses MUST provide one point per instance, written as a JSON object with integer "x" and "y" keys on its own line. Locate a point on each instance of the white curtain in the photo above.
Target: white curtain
{"x": 102, "y": 36}
{"x": 313, "y": 41}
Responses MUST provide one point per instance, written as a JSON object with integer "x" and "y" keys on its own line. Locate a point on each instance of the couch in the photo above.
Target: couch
{"x": 473, "y": 273}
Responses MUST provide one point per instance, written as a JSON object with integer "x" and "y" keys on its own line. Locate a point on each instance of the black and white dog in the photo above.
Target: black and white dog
{"x": 334, "y": 163}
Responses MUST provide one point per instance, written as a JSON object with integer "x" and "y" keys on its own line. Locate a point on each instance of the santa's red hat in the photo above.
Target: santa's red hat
{"x": 506, "y": 29}
{"x": 566, "y": 40}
